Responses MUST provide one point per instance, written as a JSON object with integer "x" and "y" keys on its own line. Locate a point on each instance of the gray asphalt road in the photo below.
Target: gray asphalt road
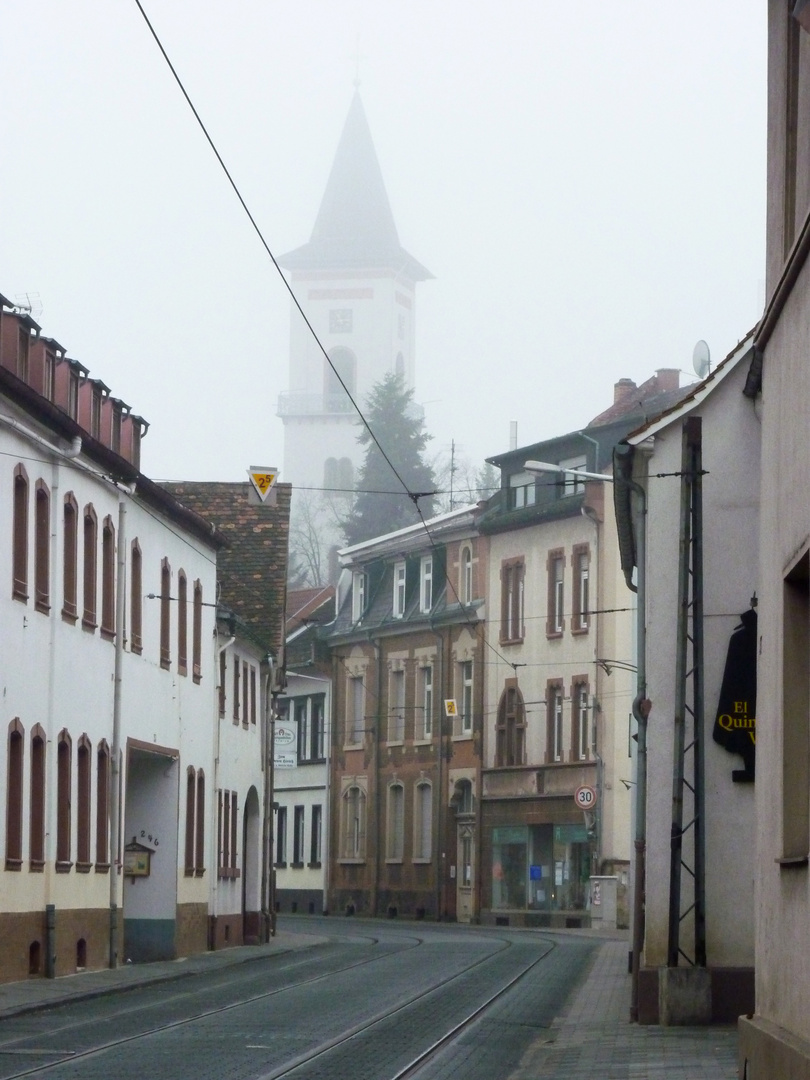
{"x": 360, "y": 1007}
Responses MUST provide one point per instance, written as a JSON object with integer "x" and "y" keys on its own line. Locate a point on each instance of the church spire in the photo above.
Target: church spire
{"x": 355, "y": 226}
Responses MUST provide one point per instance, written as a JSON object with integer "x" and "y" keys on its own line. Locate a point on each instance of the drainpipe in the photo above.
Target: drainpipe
{"x": 115, "y": 750}
{"x": 440, "y": 855}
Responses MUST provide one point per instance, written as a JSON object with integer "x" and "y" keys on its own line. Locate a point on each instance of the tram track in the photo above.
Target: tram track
{"x": 362, "y": 1037}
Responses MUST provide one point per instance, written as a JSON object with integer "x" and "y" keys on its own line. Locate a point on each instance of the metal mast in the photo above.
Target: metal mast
{"x": 688, "y": 841}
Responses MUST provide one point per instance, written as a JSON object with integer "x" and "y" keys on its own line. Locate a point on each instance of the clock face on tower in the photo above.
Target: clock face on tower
{"x": 340, "y": 321}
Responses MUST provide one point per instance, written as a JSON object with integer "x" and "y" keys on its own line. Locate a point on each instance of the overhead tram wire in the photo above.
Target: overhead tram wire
{"x": 413, "y": 495}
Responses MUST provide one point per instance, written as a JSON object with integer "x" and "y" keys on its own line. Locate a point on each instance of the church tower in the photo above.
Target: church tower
{"x": 357, "y": 285}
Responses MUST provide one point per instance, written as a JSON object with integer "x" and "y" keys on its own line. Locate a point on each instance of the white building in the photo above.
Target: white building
{"x": 652, "y": 457}
{"x": 108, "y": 675}
{"x": 357, "y": 286}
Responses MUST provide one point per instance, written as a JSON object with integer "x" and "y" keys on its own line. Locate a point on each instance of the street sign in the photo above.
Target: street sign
{"x": 263, "y": 480}
{"x": 585, "y": 797}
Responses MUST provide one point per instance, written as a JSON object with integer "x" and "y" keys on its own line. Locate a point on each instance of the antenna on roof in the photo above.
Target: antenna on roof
{"x": 701, "y": 359}
{"x": 29, "y": 304}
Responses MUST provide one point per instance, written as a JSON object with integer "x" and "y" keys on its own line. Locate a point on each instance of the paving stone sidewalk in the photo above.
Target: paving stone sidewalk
{"x": 593, "y": 1039}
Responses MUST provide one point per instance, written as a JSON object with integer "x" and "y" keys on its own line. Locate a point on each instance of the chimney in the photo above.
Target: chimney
{"x": 621, "y": 389}
{"x": 513, "y": 434}
{"x": 668, "y": 379}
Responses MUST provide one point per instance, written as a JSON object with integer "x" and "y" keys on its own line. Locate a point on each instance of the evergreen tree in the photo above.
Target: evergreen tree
{"x": 392, "y": 417}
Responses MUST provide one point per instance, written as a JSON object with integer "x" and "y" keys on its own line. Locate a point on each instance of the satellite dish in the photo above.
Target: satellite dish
{"x": 701, "y": 359}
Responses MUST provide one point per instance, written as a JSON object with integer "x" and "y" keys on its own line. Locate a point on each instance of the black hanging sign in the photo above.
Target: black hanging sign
{"x": 735, "y": 726}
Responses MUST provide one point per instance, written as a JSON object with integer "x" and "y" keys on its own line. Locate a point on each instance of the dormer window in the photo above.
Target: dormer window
{"x": 73, "y": 394}
{"x": 22, "y": 354}
{"x": 95, "y": 413}
{"x": 358, "y": 596}
{"x": 399, "y": 590}
{"x": 426, "y": 584}
{"x": 49, "y": 365}
{"x": 522, "y": 490}
{"x": 572, "y": 485}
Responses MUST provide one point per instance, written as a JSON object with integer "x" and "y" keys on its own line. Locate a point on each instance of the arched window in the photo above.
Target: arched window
{"x": 191, "y": 798}
{"x": 102, "y": 806}
{"x": 463, "y": 797}
{"x": 182, "y": 623}
{"x": 196, "y": 633}
{"x": 136, "y": 599}
{"x": 396, "y": 822}
{"x": 19, "y": 557}
{"x": 423, "y": 821}
{"x": 199, "y": 839}
{"x": 165, "y": 614}
{"x": 90, "y": 567}
{"x": 36, "y": 839}
{"x": 83, "y": 759}
{"x": 64, "y": 755}
{"x": 70, "y": 526}
{"x": 14, "y": 795}
{"x": 466, "y": 583}
{"x": 108, "y": 578}
{"x": 42, "y": 548}
{"x": 510, "y": 743}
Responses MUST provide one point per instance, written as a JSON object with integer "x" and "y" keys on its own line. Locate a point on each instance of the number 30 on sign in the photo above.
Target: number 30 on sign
{"x": 585, "y": 798}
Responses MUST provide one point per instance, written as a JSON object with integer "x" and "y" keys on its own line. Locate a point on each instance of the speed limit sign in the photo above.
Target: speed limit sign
{"x": 585, "y": 797}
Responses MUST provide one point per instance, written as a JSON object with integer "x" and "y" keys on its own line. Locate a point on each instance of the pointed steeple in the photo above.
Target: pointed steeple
{"x": 355, "y": 226}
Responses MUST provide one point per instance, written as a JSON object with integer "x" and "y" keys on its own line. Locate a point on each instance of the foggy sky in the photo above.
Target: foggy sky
{"x": 586, "y": 182}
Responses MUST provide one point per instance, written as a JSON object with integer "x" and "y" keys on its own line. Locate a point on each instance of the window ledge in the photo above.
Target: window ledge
{"x": 199, "y": 871}
{"x": 83, "y": 867}
{"x": 394, "y": 862}
{"x": 465, "y": 736}
{"x": 102, "y": 868}
{"x": 353, "y": 746}
{"x": 43, "y": 606}
{"x": 197, "y": 678}
{"x": 165, "y": 664}
{"x": 280, "y": 865}
{"x": 314, "y": 865}
{"x": 136, "y": 648}
{"x": 229, "y": 872}
{"x": 63, "y": 867}
{"x": 189, "y": 871}
{"x": 36, "y": 866}
{"x": 793, "y": 862}
{"x": 18, "y": 594}
{"x": 394, "y": 742}
{"x": 296, "y": 866}
{"x": 89, "y": 625}
{"x": 182, "y": 669}
{"x": 580, "y": 631}
{"x": 423, "y": 742}
{"x": 107, "y": 634}
{"x": 511, "y": 641}
{"x": 14, "y": 864}
{"x": 554, "y": 635}
{"x": 351, "y": 862}
{"x": 69, "y": 616}
{"x": 422, "y": 861}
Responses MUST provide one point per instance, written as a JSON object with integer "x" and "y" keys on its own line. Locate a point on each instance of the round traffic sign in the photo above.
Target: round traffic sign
{"x": 585, "y": 797}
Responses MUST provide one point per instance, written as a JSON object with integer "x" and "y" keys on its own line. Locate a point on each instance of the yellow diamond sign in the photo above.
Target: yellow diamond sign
{"x": 262, "y": 478}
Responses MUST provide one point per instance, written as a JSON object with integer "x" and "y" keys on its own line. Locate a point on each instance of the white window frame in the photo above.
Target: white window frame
{"x": 358, "y": 595}
{"x": 522, "y": 490}
{"x": 396, "y": 706}
{"x": 426, "y": 584}
{"x": 573, "y": 485}
{"x": 465, "y": 678}
{"x": 426, "y": 685}
{"x": 583, "y": 717}
{"x": 399, "y": 590}
{"x": 466, "y": 575}
{"x": 556, "y": 720}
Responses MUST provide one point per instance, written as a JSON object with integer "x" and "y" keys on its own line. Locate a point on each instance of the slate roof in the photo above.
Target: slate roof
{"x": 252, "y": 570}
{"x": 355, "y": 226}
